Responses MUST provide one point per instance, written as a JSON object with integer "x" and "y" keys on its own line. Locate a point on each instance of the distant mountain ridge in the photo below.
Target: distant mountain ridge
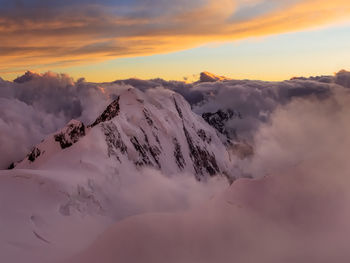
{"x": 206, "y": 76}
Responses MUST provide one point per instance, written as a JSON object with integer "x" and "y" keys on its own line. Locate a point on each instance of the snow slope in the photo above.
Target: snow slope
{"x": 38, "y": 210}
{"x": 156, "y": 128}
{"x": 148, "y": 158}
{"x": 146, "y": 152}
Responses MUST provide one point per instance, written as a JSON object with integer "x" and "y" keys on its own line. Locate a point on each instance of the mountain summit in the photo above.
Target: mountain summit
{"x": 210, "y": 77}
{"x": 154, "y": 129}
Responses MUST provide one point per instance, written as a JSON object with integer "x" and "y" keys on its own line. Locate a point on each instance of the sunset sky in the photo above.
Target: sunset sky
{"x": 114, "y": 39}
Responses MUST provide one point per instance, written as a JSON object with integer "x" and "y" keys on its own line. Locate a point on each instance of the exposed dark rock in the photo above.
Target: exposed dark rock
{"x": 145, "y": 150}
{"x": 111, "y": 111}
{"x": 178, "y": 108}
{"x": 28, "y": 76}
{"x": 148, "y": 117}
{"x": 63, "y": 142}
{"x": 144, "y": 160}
{"x": 203, "y": 135}
{"x": 180, "y": 160}
{"x": 218, "y": 120}
{"x": 34, "y": 154}
{"x": 153, "y": 150}
{"x": 201, "y": 158}
{"x": 114, "y": 140}
{"x": 71, "y": 134}
{"x": 12, "y": 166}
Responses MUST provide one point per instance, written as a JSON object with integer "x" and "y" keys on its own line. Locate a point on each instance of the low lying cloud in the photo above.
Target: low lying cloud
{"x": 296, "y": 210}
{"x": 255, "y": 100}
{"x": 148, "y": 190}
{"x": 61, "y": 33}
{"x": 35, "y": 105}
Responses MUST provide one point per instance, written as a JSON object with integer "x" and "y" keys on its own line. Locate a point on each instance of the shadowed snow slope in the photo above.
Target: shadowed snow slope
{"x": 36, "y": 105}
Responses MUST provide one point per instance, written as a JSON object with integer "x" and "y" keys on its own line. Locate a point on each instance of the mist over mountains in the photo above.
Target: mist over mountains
{"x": 35, "y": 105}
{"x": 211, "y": 171}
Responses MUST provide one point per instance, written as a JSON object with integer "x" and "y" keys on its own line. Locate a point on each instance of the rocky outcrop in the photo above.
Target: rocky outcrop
{"x": 204, "y": 136}
{"x": 202, "y": 159}
{"x": 114, "y": 140}
{"x": 70, "y": 134}
{"x": 111, "y": 112}
{"x": 180, "y": 160}
{"x": 28, "y": 76}
{"x": 219, "y": 119}
{"x": 35, "y": 153}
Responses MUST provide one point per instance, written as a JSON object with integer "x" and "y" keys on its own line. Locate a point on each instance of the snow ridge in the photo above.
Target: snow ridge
{"x": 154, "y": 128}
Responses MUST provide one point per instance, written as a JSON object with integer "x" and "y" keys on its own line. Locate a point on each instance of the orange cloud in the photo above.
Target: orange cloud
{"x": 76, "y": 35}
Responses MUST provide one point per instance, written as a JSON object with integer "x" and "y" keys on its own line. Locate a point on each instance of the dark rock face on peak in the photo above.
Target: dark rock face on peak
{"x": 28, "y": 76}
{"x": 179, "y": 111}
{"x": 219, "y": 118}
{"x": 202, "y": 159}
{"x": 114, "y": 140}
{"x": 111, "y": 111}
{"x": 148, "y": 154}
{"x": 70, "y": 134}
{"x": 204, "y": 136}
{"x": 35, "y": 153}
{"x": 180, "y": 160}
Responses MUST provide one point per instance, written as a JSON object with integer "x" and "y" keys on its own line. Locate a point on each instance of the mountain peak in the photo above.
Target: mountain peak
{"x": 70, "y": 134}
{"x": 28, "y": 76}
{"x": 210, "y": 77}
{"x": 110, "y": 112}
{"x": 139, "y": 129}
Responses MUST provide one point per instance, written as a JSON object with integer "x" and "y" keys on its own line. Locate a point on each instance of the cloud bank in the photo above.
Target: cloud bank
{"x": 35, "y": 105}
{"x": 296, "y": 210}
{"x": 61, "y": 33}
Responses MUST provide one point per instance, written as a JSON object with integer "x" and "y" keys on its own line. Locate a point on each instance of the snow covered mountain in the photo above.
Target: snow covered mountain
{"x": 146, "y": 152}
{"x": 136, "y": 156}
{"x": 154, "y": 128}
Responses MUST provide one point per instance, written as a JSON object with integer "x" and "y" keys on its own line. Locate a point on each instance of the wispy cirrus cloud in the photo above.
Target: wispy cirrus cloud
{"x": 36, "y": 33}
